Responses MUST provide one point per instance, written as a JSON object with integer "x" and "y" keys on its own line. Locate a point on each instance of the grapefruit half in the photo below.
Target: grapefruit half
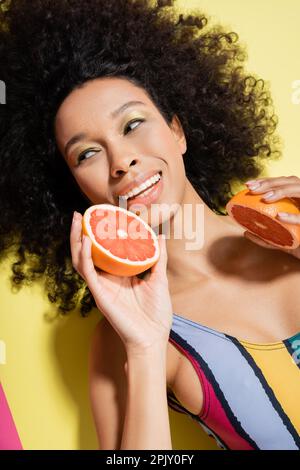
{"x": 259, "y": 217}
{"x": 122, "y": 243}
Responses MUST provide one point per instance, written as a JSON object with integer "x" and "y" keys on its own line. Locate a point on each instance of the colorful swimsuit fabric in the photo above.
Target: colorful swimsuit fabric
{"x": 251, "y": 391}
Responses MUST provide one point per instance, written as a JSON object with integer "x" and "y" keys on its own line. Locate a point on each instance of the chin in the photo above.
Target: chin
{"x": 159, "y": 220}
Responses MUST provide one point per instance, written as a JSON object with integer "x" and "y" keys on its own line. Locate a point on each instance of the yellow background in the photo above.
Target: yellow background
{"x": 45, "y": 375}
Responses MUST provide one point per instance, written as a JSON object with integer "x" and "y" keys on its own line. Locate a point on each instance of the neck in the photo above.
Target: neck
{"x": 188, "y": 257}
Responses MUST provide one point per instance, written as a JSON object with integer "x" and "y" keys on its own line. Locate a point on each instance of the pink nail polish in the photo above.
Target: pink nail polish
{"x": 268, "y": 195}
{"x": 283, "y": 214}
{"x": 253, "y": 187}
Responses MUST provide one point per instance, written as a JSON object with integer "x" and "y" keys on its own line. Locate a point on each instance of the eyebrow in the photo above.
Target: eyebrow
{"x": 81, "y": 136}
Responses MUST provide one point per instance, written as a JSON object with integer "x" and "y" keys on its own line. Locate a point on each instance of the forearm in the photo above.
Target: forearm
{"x": 146, "y": 423}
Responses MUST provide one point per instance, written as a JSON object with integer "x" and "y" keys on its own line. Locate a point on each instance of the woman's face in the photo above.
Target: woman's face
{"x": 106, "y": 149}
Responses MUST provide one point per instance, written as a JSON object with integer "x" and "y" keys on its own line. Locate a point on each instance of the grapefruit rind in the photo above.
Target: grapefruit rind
{"x": 246, "y": 199}
{"x": 107, "y": 261}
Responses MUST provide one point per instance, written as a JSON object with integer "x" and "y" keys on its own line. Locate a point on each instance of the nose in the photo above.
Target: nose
{"x": 121, "y": 166}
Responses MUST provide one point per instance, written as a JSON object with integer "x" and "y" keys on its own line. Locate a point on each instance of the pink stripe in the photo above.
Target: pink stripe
{"x": 9, "y": 438}
{"x": 213, "y": 413}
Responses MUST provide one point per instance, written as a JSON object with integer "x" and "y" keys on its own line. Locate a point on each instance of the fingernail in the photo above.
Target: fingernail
{"x": 268, "y": 195}
{"x": 253, "y": 183}
{"x": 283, "y": 214}
{"x": 75, "y": 215}
{"x": 253, "y": 186}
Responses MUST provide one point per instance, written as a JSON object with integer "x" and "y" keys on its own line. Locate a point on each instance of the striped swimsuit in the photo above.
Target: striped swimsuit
{"x": 251, "y": 391}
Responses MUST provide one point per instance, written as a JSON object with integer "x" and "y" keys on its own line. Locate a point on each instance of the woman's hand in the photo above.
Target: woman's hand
{"x": 139, "y": 310}
{"x": 277, "y": 188}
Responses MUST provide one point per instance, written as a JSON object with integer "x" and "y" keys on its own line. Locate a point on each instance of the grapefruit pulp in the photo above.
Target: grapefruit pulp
{"x": 259, "y": 217}
{"x": 122, "y": 243}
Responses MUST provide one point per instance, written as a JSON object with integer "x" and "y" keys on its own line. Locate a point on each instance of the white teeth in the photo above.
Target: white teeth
{"x": 142, "y": 187}
{"x": 147, "y": 192}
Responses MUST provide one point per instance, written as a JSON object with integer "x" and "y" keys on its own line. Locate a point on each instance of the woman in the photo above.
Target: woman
{"x": 70, "y": 140}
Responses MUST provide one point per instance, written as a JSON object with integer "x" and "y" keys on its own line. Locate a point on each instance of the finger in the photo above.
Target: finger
{"x": 275, "y": 194}
{"x": 265, "y": 184}
{"x": 92, "y": 276}
{"x": 87, "y": 266}
{"x": 160, "y": 267}
{"x": 273, "y": 180}
{"x": 260, "y": 182}
{"x": 289, "y": 218}
{"x": 75, "y": 238}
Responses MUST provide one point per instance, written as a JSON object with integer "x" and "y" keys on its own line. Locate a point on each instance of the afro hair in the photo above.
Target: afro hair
{"x": 50, "y": 47}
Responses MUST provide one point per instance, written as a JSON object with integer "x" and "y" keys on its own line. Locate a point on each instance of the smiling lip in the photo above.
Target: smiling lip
{"x": 151, "y": 197}
{"x": 137, "y": 181}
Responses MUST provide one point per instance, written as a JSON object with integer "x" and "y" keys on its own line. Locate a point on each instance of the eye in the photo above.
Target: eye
{"x": 83, "y": 154}
{"x": 132, "y": 122}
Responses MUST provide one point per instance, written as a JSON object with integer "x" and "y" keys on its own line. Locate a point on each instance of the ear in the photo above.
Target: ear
{"x": 178, "y": 132}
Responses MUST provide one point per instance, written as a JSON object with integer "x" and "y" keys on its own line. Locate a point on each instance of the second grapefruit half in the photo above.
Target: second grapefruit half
{"x": 122, "y": 243}
{"x": 260, "y": 218}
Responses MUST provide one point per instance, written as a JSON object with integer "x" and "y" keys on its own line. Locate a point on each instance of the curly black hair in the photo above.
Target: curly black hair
{"x": 50, "y": 47}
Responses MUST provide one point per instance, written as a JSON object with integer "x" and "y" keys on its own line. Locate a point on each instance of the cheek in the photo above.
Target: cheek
{"x": 163, "y": 145}
{"x": 159, "y": 141}
{"x": 92, "y": 186}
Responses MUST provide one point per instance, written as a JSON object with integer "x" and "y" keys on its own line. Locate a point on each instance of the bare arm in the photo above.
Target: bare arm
{"x": 107, "y": 385}
{"x": 127, "y": 394}
{"x": 146, "y": 423}
{"x": 140, "y": 312}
